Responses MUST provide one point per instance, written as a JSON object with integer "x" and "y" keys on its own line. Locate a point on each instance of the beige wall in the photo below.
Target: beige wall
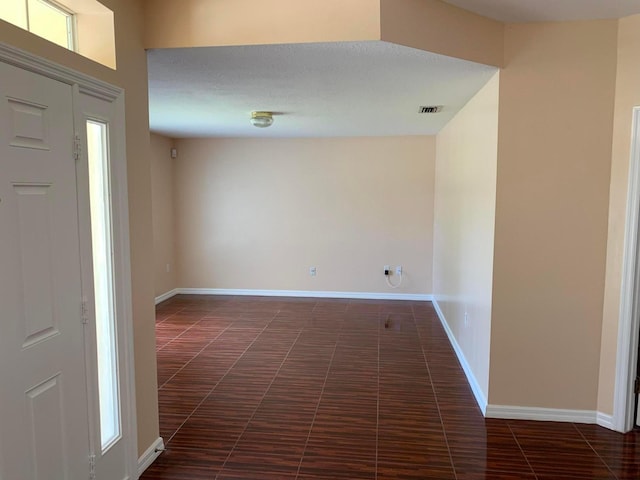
{"x": 438, "y": 27}
{"x": 431, "y": 25}
{"x": 256, "y": 214}
{"x": 627, "y": 97}
{"x": 96, "y": 37}
{"x": 199, "y": 23}
{"x": 464, "y": 221}
{"x": 554, "y": 160}
{"x": 95, "y": 30}
{"x": 162, "y": 173}
{"x": 132, "y": 76}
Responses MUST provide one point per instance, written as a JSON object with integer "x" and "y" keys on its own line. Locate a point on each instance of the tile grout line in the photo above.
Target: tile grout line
{"x": 595, "y": 451}
{"x": 204, "y": 317}
{"x": 182, "y": 310}
{"x": 218, "y": 382}
{"x": 435, "y": 395}
{"x": 315, "y": 414}
{"x": 169, "y": 316}
{"x": 515, "y": 437}
{"x": 163, "y": 321}
{"x": 264, "y": 395}
{"x": 195, "y": 356}
{"x": 180, "y": 335}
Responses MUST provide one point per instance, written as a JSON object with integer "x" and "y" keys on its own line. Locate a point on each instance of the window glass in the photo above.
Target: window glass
{"x": 14, "y": 12}
{"x": 51, "y": 22}
{"x": 101, "y": 239}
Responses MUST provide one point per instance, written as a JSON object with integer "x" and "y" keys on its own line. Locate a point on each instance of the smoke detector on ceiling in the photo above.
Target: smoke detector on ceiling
{"x": 430, "y": 109}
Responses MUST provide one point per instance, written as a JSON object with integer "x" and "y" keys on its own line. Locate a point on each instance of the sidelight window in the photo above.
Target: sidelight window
{"x": 103, "y": 275}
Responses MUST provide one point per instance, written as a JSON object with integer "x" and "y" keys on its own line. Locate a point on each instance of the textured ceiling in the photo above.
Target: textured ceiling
{"x": 320, "y": 90}
{"x": 515, "y": 11}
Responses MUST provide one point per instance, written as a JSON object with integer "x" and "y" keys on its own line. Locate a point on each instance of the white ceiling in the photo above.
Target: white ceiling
{"x": 515, "y": 11}
{"x": 333, "y": 89}
{"x": 321, "y": 90}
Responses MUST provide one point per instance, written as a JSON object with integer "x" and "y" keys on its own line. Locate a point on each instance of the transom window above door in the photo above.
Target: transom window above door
{"x": 82, "y": 26}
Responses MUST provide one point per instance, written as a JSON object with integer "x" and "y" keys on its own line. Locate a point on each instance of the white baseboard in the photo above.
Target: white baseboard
{"x": 305, "y": 293}
{"x": 550, "y": 415}
{"x": 473, "y": 382}
{"x": 541, "y": 414}
{"x": 150, "y": 455}
{"x": 515, "y": 412}
{"x": 166, "y": 296}
{"x": 605, "y": 420}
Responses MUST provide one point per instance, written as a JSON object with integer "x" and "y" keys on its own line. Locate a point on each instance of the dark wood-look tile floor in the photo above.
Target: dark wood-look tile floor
{"x": 308, "y": 389}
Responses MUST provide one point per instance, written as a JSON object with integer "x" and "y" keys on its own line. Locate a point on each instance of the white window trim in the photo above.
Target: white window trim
{"x": 629, "y": 323}
{"x": 72, "y": 25}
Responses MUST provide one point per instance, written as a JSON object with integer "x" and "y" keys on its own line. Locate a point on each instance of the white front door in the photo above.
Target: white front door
{"x": 43, "y": 398}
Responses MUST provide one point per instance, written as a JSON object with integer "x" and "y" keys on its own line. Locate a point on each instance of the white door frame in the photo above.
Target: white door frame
{"x": 629, "y": 324}
{"x": 85, "y": 84}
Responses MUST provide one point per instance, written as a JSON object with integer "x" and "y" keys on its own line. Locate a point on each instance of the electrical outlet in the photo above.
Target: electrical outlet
{"x": 312, "y": 271}
{"x": 466, "y": 319}
{"x": 168, "y": 267}
{"x": 387, "y": 270}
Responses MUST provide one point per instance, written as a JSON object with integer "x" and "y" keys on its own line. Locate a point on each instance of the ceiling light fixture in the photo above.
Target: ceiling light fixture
{"x": 261, "y": 119}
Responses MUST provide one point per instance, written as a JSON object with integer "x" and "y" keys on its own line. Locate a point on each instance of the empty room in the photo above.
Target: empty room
{"x": 289, "y": 239}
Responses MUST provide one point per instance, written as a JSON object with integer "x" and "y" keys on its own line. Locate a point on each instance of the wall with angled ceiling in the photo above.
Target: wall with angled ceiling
{"x": 559, "y": 210}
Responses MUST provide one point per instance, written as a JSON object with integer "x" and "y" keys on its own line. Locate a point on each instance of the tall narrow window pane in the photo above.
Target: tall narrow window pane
{"x": 14, "y": 11}
{"x": 50, "y": 21}
{"x": 109, "y": 398}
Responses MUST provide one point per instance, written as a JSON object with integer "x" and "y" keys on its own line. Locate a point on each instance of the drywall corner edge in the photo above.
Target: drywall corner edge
{"x": 167, "y": 295}
{"x": 473, "y": 382}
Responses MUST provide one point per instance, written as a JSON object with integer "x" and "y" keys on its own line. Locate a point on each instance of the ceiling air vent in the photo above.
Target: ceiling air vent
{"x": 431, "y": 109}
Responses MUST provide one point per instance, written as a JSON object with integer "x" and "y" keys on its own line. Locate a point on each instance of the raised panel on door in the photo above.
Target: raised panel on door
{"x": 43, "y": 414}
